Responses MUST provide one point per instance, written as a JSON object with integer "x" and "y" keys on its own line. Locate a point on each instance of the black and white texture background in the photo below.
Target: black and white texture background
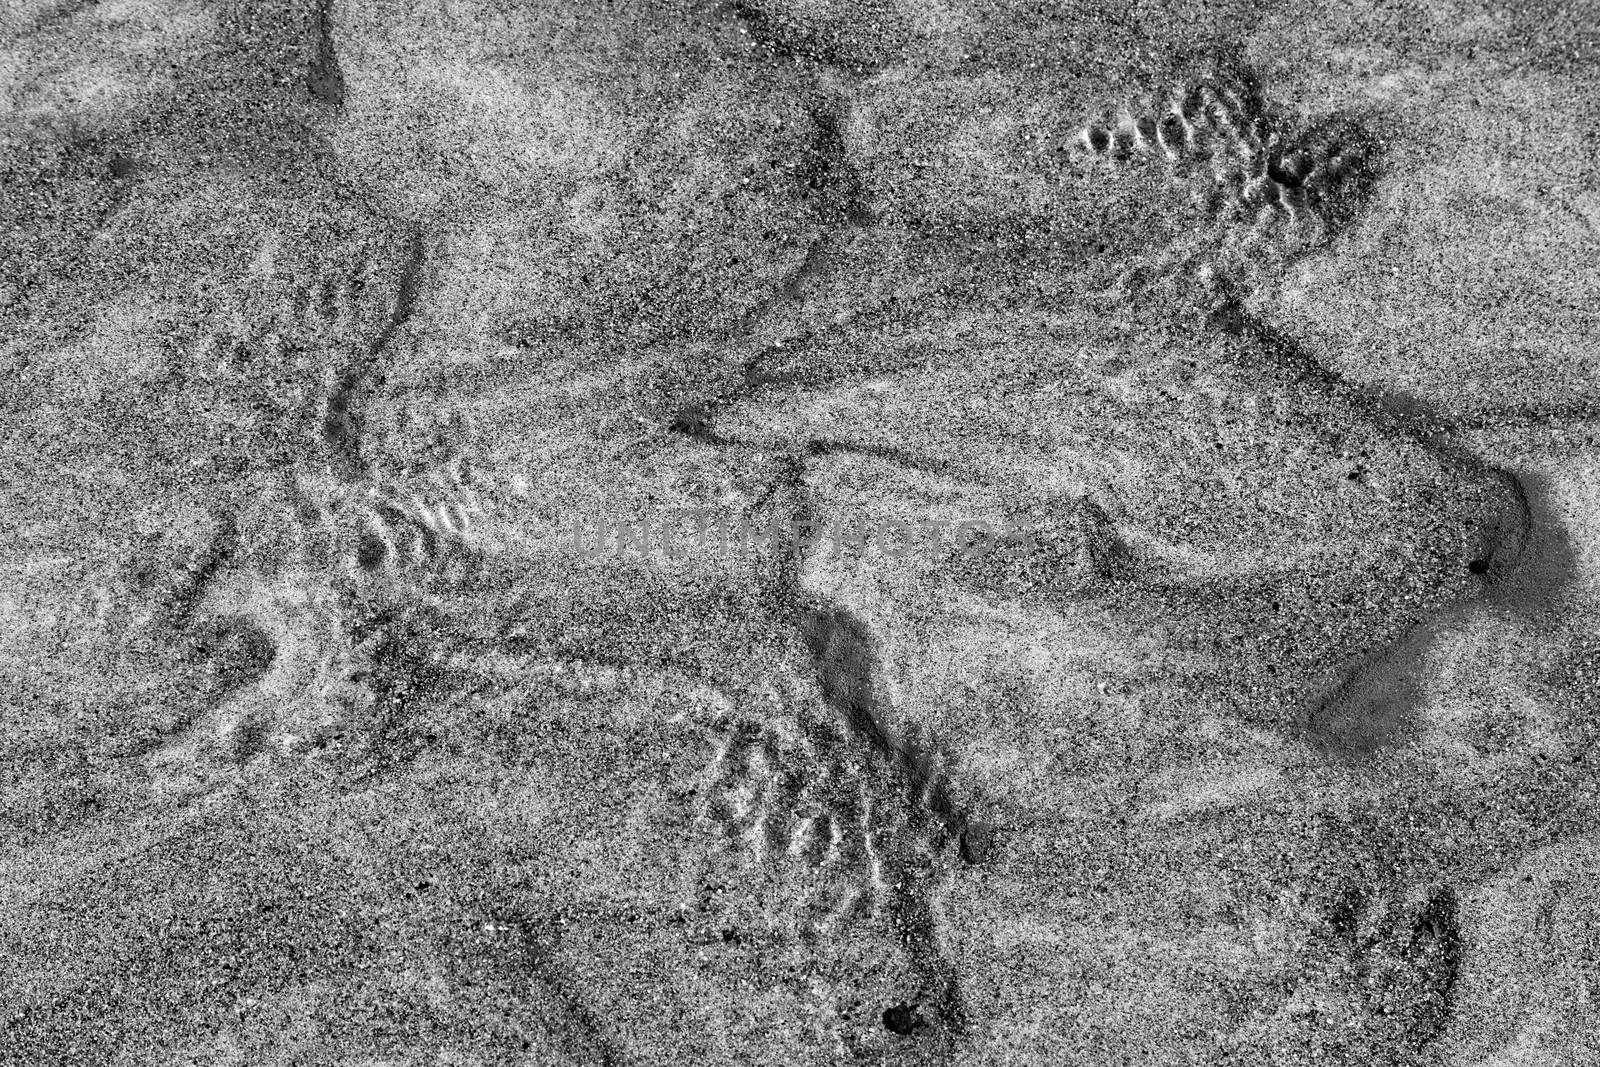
{"x": 795, "y": 532}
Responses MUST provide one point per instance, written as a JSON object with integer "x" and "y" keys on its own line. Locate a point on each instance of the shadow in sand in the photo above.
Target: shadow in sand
{"x": 1525, "y": 568}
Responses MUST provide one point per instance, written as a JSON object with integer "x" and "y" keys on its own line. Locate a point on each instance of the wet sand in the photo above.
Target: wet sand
{"x": 799, "y": 533}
